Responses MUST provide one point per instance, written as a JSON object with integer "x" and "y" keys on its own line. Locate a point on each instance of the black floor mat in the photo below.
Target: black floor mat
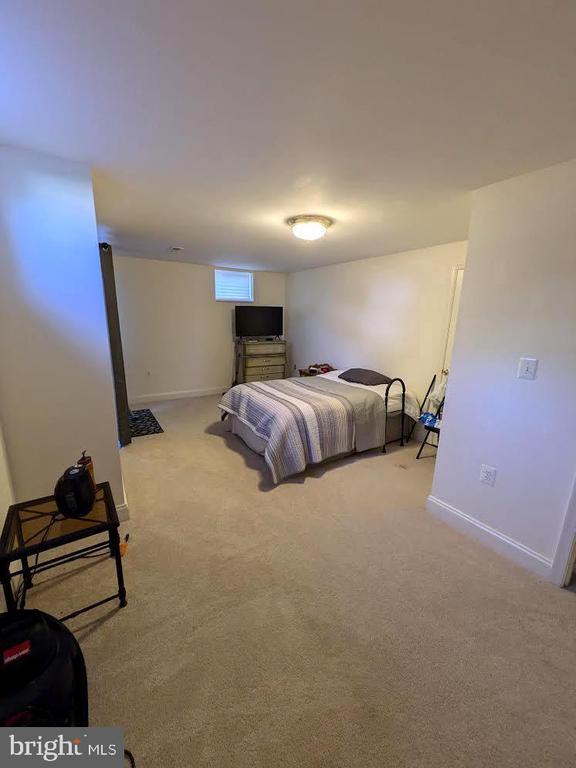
{"x": 143, "y": 422}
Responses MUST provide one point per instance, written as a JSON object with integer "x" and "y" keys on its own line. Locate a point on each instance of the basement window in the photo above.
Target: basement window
{"x": 230, "y": 285}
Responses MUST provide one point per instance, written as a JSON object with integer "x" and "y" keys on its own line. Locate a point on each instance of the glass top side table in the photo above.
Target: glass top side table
{"x": 33, "y": 527}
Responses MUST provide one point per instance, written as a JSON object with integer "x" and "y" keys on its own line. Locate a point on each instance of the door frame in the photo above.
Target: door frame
{"x": 453, "y": 282}
{"x": 563, "y": 563}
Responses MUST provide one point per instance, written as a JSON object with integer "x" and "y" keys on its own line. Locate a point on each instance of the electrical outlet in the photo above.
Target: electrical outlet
{"x": 527, "y": 368}
{"x": 487, "y": 474}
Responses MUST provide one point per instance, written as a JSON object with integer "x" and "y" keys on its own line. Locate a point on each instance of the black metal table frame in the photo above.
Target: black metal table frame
{"x": 23, "y": 553}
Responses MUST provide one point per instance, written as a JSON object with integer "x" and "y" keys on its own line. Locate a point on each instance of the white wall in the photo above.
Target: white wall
{"x": 518, "y": 300}
{"x": 6, "y": 496}
{"x": 388, "y": 313}
{"x": 56, "y": 394}
{"x": 177, "y": 339}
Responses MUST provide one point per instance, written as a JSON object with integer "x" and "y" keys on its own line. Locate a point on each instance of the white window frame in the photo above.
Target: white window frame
{"x": 234, "y": 299}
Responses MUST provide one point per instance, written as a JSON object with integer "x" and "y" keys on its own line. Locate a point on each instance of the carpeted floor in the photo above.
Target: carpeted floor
{"x": 327, "y": 623}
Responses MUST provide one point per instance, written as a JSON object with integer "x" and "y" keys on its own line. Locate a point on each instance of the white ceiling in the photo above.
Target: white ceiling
{"x": 208, "y": 122}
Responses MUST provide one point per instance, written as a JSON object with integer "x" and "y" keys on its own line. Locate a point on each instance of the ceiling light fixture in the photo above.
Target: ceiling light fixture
{"x": 308, "y": 226}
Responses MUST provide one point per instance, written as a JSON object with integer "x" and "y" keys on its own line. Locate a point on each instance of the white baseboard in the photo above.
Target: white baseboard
{"x": 496, "y": 540}
{"x": 123, "y": 512}
{"x": 178, "y": 395}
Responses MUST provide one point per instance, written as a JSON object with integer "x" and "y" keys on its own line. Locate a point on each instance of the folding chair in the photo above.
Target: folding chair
{"x": 432, "y": 429}
{"x": 423, "y": 406}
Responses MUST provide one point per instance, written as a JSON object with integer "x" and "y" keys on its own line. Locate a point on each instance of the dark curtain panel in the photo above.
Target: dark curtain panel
{"x": 122, "y": 408}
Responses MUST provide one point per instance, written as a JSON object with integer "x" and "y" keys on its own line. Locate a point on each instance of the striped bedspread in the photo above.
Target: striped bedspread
{"x": 305, "y": 421}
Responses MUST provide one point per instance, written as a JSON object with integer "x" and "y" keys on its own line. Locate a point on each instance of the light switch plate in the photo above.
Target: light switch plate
{"x": 527, "y": 368}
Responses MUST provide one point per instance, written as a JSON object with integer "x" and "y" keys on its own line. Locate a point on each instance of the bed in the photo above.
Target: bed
{"x": 295, "y": 423}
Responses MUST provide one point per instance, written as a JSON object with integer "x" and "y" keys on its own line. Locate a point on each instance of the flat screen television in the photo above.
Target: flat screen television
{"x": 259, "y": 321}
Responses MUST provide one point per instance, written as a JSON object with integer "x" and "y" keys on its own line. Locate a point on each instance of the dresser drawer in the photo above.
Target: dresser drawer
{"x": 262, "y": 348}
{"x": 265, "y": 370}
{"x": 259, "y": 362}
{"x": 263, "y": 377}
{"x": 259, "y": 374}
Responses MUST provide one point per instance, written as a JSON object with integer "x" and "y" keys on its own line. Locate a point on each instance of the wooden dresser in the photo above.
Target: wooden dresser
{"x": 260, "y": 360}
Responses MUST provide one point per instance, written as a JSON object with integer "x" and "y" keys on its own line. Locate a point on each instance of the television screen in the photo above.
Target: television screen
{"x": 259, "y": 321}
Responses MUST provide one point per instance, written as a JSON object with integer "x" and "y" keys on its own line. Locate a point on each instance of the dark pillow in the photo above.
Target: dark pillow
{"x": 364, "y": 376}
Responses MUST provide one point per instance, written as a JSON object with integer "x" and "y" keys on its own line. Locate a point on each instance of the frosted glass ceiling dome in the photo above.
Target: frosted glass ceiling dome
{"x": 309, "y": 226}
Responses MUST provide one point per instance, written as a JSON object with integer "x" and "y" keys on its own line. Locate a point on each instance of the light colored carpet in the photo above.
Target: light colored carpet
{"x": 327, "y": 623}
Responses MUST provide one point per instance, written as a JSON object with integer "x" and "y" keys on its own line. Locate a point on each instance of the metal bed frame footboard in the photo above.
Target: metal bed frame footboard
{"x": 402, "y": 411}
